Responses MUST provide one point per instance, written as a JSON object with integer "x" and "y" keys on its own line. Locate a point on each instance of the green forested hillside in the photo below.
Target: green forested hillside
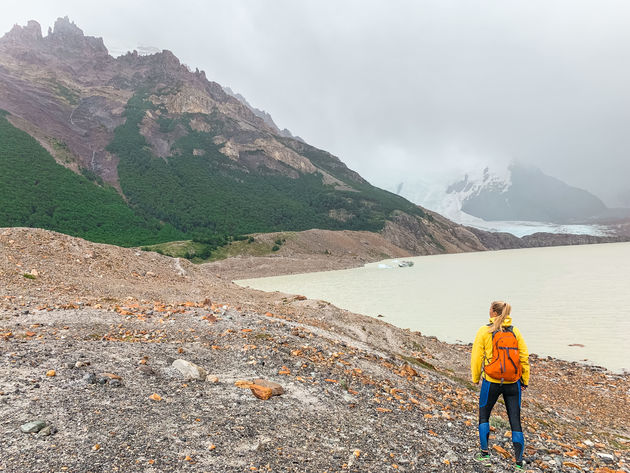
{"x": 35, "y": 191}
{"x": 196, "y": 193}
{"x": 209, "y": 193}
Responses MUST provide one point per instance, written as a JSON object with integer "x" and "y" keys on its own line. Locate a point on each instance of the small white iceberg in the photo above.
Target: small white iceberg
{"x": 395, "y": 263}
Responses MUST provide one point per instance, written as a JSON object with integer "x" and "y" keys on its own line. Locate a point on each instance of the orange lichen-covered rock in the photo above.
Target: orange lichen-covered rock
{"x": 261, "y": 392}
{"x": 571, "y": 465}
{"x": 110, "y": 375}
{"x": 407, "y": 370}
{"x": 241, "y": 383}
{"x": 276, "y": 389}
{"x": 502, "y": 451}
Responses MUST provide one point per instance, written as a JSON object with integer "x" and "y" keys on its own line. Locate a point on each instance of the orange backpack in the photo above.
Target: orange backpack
{"x": 505, "y": 363}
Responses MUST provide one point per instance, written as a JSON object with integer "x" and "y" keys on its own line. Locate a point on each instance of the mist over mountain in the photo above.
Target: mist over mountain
{"x": 527, "y": 194}
{"x": 518, "y": 199}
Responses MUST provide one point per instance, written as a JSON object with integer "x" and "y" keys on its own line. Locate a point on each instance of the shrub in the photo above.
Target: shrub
{"x": 499, "y": 422}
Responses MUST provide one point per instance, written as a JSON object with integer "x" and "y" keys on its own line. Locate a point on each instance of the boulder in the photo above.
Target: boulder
{"x": 34, "y": 426}
{"x": 261, "y": 392}
{"x": 276, "y": 389}
{"x": 189, "y": 370}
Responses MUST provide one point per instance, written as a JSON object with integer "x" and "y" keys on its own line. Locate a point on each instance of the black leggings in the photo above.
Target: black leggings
{"x": 487, "y": 399}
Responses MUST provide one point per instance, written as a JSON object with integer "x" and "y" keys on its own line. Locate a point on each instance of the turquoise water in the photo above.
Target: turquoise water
{"x": 570, "y": 302}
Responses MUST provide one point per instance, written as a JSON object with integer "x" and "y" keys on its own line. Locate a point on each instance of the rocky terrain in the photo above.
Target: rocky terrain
{"x": 91, "y": 335}
{"x": 436, "y": 234}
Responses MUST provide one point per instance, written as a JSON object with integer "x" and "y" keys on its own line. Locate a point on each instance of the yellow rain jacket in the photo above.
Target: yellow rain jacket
{"x": 482, "y": 353}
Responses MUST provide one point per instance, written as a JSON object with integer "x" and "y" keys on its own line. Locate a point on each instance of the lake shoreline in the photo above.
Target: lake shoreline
{"x": 380, "y": 289}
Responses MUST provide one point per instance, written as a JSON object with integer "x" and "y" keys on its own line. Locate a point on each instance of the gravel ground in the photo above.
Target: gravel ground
{"x": 87, "y": 346}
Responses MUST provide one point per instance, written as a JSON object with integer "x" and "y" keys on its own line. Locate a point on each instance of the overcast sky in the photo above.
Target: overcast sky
{"x": 404, "y": 89}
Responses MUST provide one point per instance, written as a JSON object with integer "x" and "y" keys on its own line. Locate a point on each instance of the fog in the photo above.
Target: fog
{"x": 405, "y": 89}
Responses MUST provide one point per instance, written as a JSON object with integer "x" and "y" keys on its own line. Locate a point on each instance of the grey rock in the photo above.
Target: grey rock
{"x": 34, "y": 426}
{"x": 189, "y": 370}
{"x": 146, "y": 370}
{"x": 349, "y": 398}
{"x": 451, "y": 456}
{"x": 47, "y": 431}
{"x": 607, "y": 457}
{"x": 90, "y": 378}
{"x": 115, "y": 383}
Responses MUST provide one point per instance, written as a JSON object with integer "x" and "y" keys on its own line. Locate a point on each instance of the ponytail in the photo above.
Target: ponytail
{"x": 503, "y": 309}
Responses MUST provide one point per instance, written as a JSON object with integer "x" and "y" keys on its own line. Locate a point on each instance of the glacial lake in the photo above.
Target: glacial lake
{"x": 570, "y": 302}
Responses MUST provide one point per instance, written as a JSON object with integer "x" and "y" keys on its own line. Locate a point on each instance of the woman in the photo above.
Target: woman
{"x": 513, "y": 376}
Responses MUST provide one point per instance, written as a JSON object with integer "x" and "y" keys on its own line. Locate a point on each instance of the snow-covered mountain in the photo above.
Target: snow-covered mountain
{"x": 526, "y": 194}
{"x": 518, "y": 199}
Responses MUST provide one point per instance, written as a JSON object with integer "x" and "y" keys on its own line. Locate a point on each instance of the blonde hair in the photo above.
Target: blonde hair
{"x": 501, "y": 308}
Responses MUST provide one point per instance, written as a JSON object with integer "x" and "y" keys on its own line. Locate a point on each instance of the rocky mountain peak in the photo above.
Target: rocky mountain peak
{"x": 30, "y": 33}
{"x": 64, "y": 41}
{"x": 71, "y": 38}
{"x": 63, "y": 26}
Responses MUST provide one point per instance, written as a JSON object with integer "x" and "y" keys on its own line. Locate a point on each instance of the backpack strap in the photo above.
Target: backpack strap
{"x": 509, "y": 328}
